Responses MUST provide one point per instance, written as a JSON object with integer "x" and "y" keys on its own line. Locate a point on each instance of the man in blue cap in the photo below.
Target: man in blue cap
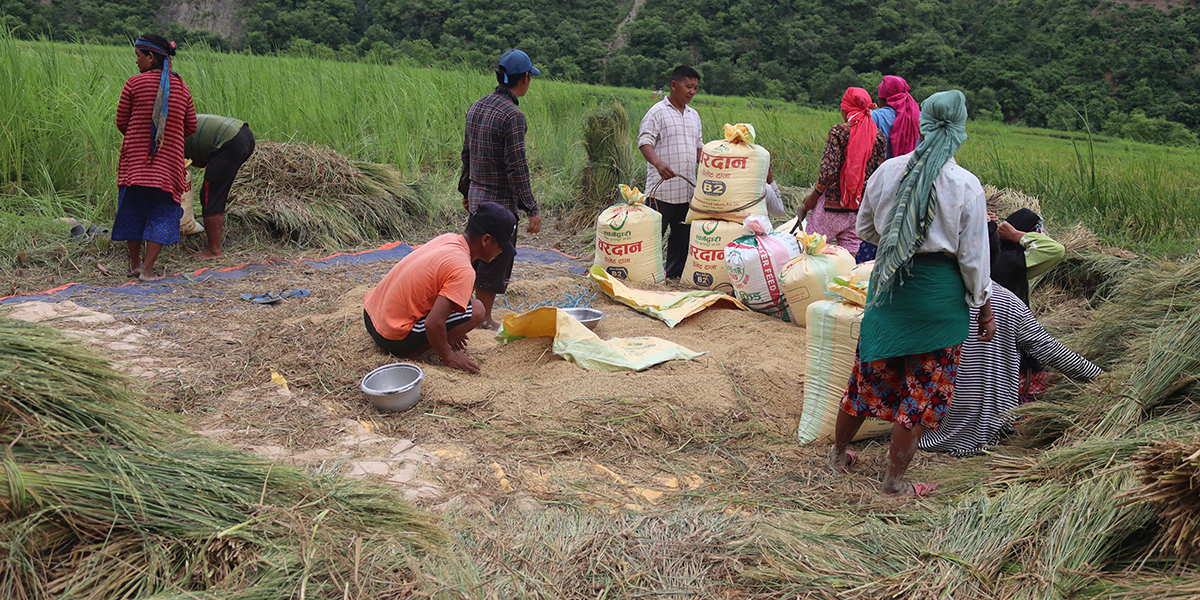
{"x": 495, "y": 169}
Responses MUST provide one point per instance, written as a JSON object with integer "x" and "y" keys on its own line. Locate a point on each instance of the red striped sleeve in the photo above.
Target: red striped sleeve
{"x": 165, "y": 170}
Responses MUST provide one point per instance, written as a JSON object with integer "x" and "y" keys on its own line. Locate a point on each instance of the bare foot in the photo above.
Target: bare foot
{"x": 912, "y": 490}
{"x": 133, "y": 272}
{"x": 489, "y": 324}
{"x": 207, "y": 254}
{"x": 147, "y": 278}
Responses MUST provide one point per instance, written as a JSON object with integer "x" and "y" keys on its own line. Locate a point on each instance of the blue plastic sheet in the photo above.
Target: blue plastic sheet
{"x": 174, "y": 286}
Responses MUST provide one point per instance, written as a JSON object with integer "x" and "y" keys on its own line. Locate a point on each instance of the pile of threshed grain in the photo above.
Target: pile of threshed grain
{"x": 101, "y": 497}
{"x": 314, "y": 196}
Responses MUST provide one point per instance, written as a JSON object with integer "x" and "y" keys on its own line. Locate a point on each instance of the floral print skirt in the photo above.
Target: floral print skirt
{"x": 911, "y": 390}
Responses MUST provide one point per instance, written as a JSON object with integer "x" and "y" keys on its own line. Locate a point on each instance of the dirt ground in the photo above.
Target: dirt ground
{"x": 530, "y": 428}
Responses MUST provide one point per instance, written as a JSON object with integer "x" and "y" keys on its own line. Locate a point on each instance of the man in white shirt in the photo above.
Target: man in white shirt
{"x": 670, "y": 139}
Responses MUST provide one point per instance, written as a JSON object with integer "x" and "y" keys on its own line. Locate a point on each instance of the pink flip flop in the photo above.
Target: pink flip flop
{"x": 846, "y": 469}
{"x": 920, "y": 489}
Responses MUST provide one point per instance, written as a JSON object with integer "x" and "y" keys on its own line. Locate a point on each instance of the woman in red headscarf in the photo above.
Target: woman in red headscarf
{"x": 854, "y": 149}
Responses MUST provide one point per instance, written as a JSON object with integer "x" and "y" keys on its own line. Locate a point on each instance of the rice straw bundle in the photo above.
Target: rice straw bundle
{"x": 1007, "y": 201}
{"x": 103, "y": 498}
{"x": 1169, "y": 478}
{"x": 313, "y": 195}
{"x": 610, "y": 161}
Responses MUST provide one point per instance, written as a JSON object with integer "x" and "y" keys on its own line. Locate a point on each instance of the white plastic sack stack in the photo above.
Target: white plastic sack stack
{"x": 731, "y": 178}
{"x": 833, "y": 329}
{"x": 629, "y": 240}
{"x": 705, "y": 266}
{"x": 755, "y": 261}
{"x": 806, "y": 278}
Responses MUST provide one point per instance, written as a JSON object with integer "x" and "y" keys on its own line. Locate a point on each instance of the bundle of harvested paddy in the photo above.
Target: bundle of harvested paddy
{"x": 1007, "y": 201}
{"x": 610, "y": 162}
{"x": 1169, "y": 478}
{"x": 314, "y": 196}
{"x": 1026, "y": 541}
{"x": 103, "y": 498}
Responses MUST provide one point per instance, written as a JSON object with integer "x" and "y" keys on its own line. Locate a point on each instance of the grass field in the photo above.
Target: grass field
{"x": 59, "y": 147}
{"x": 769, "y": 521}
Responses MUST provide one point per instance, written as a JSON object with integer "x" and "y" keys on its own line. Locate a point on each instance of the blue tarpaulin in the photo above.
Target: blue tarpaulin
{"x": 93, "y": 296}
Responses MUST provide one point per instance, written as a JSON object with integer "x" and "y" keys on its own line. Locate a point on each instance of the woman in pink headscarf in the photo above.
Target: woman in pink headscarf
{"x": 854, "y": 149}
{"x": 900, "y": 118}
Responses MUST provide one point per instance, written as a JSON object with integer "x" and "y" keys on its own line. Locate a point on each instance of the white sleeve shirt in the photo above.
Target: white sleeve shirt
{"x": 675, "y": 137}
{"x": 959, "y": 226}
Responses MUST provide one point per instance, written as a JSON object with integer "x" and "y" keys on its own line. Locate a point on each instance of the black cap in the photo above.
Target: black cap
{"x": 498, "y": 221}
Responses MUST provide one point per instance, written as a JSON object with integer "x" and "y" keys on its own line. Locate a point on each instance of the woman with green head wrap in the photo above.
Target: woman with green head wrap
{"x": 929, "y": 218}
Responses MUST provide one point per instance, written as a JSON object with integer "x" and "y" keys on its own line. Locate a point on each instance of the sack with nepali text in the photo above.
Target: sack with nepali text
{"x": 731, "y": 178}
{"x": 754, "y": 263}
{"x": 806, "y": 279}
{"x": 705, "y": 265}
{"x": 629, "y": 239}
{"x": 668, "y": 307}
{"x": 833, "y": 328}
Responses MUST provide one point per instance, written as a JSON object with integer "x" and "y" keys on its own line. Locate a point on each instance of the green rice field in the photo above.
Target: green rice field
{"x": 58, "y": 151}
{"x": 1095, "y": 496}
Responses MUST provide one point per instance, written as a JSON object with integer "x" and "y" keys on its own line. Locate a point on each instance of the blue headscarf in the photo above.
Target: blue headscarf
{"x": 158, "y": 120}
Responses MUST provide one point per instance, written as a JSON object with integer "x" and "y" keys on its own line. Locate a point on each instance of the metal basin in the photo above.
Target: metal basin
{"x": 588, "y": 316}
{"x": 393, "y": 388}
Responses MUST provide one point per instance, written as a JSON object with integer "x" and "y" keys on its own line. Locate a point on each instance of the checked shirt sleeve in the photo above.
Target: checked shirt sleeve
{"x": 517, "y": 166}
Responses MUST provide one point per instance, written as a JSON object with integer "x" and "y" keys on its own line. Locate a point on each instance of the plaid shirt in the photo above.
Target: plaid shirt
{"x": 493, "y": 155}
{"x": 675, "y": 137}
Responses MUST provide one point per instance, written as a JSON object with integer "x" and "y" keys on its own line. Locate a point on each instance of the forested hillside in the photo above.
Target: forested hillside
{"x": 1131, "y": 67}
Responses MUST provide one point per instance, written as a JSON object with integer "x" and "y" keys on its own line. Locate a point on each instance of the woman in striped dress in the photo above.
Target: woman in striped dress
{"x": 988, "y": 378}
{"x": 155, "y": 113}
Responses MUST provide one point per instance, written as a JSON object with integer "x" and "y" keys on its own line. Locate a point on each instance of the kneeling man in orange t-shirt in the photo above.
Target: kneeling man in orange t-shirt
{"x": 425, "y": 300}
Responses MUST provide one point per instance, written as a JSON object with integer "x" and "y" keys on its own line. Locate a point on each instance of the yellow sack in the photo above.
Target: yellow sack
{"x": 668, "y": 307}
{"x": 806, "y": 278}
{"x": 580, "y": 345}
{"x": 833, "y": 329}
{"x": 188, "y": 224}
{"x": 629, "y": 239}
{"x": 863, "y": 271}
{"x": 731, "y": 178}
{"x": 705, "y": 266}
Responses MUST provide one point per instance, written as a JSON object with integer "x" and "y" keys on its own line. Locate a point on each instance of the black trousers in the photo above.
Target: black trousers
{"x": 222, "y": 168}
{"x": 676, "y": 244}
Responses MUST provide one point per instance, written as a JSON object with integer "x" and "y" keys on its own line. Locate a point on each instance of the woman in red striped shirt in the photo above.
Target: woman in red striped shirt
{"x": 155, "y": 114}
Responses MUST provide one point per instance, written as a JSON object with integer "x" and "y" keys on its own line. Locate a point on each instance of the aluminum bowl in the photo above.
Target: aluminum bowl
{"x": 590, "y": 317}
{"x": 393, "y": 388}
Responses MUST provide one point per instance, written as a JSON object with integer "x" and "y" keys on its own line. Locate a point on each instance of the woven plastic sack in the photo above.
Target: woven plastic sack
{"x": 833, "y": 330}
{"x": 754, "y": 263}
{"x": 188, "y": 224}
{"x": 705, "y": 267}
{"x": 629, "y": 240}
{"x": 806, "y": 278}
{"x": 731, "y": 178}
